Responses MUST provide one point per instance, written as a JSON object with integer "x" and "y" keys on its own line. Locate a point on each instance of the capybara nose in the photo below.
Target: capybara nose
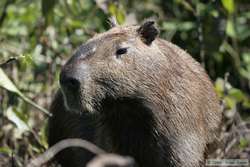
{"x": 69, "y": 81}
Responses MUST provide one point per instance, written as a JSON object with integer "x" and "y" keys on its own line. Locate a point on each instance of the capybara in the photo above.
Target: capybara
{"x": 132, "y": 93}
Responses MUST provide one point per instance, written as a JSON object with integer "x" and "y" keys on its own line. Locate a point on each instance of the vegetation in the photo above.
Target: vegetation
{"x": 37, "y": 37}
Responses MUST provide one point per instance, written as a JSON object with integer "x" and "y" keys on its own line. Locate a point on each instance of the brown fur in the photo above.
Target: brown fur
{"x": 154, "y": 103}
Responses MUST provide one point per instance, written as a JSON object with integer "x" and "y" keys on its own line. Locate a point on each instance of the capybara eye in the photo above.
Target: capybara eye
{"x": 121, "y": 51}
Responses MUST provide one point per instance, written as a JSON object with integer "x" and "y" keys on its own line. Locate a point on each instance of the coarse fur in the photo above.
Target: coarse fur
{"x": 134, "y": 94}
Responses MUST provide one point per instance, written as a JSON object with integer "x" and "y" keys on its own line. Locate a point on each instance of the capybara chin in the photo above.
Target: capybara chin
{"x": 132, "y": 93}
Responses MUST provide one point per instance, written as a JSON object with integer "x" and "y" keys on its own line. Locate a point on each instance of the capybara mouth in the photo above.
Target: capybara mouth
{"x": 71, "y": 101}
{"x": 78, "y": 102}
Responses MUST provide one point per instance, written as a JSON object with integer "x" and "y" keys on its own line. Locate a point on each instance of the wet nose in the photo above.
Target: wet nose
{"x": 69, "y": 81}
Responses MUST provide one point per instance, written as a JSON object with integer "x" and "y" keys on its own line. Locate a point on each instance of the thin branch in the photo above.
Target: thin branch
{"x": 27, "y": 100}
{"x": 8, "y": 61}
{"x": 50, "y": 153}
{"x": 230, "y": 145}
{"x": 105, "y": 160}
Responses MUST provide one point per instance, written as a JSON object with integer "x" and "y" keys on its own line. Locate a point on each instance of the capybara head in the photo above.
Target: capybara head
{"x": 119, "y": 63}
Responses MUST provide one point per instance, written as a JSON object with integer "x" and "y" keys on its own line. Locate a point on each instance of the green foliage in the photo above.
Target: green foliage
{"x": 41, "y": 35}
{"x": 244, "y": 143}
{"x": 229, "y": 5}
{"x": 232, "y": 96}
{"x": 47, "y": 9}
{"x": 7, "y": 84}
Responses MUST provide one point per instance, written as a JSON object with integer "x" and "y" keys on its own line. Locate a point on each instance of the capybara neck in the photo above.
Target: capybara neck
{"x": 129, "y": 126}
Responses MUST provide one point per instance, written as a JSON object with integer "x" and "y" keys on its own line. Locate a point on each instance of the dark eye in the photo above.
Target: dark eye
{"x": 121, "y": 51}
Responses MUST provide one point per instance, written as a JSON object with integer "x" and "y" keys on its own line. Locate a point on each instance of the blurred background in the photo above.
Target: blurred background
{"x": 37, "y": 37}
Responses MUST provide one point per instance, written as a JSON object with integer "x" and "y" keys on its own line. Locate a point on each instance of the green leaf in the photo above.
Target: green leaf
{"x": 169, "y": 26}
{"x": 220, "y": 85}
{"x": 6, "y": 83}
{"x": 118, "y": 12}
{"x": 230, "y": 28}
{"x": 229, "y": 5}
{"x": 26, "y": 60}
{"x": 13, "y": 117}
{"x": 244, "y": 73}
{"x": 237, "y": 94}
{"x": 230, "y": 102}
{"x": 175, "y": 25}
{"x": 186, "y": 5}
{"x": 5, "y": 150}
{"x": 214, "y": 13}
{"x": 112, "y": 9}
{"x": 120, "y": 16}
{"x": 246, "y": 103}
{"x": 243, "y": 142}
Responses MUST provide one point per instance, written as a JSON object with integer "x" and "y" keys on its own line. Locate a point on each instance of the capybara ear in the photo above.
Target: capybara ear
{"x": 148, "y": 32}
